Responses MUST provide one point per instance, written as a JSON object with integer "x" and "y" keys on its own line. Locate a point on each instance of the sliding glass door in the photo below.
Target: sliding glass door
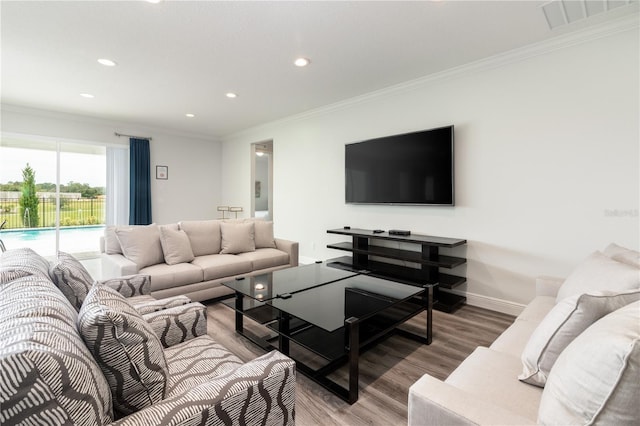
{"x": 52, "y": 195}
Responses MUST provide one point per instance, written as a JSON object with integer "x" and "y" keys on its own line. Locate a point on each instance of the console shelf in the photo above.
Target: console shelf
{"x": 428, "y": 259}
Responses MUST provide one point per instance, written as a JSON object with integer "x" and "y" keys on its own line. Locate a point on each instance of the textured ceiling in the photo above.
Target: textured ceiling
{"x": 180, "y": 57}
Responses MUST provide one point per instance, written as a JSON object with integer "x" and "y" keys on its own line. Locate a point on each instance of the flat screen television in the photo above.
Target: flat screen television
{"x": 412, "y": 168}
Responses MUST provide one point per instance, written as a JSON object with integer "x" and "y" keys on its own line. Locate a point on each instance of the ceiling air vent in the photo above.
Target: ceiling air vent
{"x": 564, "y": 12}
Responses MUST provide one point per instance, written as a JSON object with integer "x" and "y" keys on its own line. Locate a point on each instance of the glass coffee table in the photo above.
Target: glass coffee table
{"x": 332, "y": 313}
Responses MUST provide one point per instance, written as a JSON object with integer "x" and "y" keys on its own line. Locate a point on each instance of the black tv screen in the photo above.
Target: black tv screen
{"x": 412, "y": 168}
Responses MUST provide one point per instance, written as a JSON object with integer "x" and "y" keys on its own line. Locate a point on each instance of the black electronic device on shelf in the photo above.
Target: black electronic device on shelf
{"x": 399, "y": 232}
{"x": 367, "y": 255}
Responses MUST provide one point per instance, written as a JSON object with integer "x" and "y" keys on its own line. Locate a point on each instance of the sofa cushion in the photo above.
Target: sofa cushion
{"x": 598, "y": 272}
{"x": 217, "y": 266}
{"x": 623, "y": 254}
{"x": 565, "y": 322}
{"x": 204, "y": 236}
{"x": 147, "y": 304}
{"x": 237, "y": 237}
{"x": 595, "y": 379}
{"x": 141, "y": 244}
{"x": 514, "y": 339}
{"x": 126, "y": 348}
{"x": 26, "y": 260}
{"x": 491, "y": 376}
{"x": 266, "y": 258}
{"x": 175, "y": 246}
{"x": 168, "y": 276}
{"x": 48, "y": 374}
{"x": 196, "y": 361}
{"x": 264, "y": 234}
{"x": 71, "y": 277}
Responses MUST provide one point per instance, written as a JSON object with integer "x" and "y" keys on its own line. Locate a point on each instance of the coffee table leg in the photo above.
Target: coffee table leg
{"x": 239, "y": 312}
{"x": 353, "y": 329}
{"x": 283, "y": 325}
{"x": 428, "y": 300}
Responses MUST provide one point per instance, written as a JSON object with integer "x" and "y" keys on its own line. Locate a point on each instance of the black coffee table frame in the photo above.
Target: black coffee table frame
{"x": 340, "y": 347}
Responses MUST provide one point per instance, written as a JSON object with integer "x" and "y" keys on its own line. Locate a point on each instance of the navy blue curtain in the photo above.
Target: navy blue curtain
{"x": 139, "y": 182}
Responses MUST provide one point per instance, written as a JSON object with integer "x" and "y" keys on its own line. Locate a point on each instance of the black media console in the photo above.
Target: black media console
{"x": 363, "y": 246}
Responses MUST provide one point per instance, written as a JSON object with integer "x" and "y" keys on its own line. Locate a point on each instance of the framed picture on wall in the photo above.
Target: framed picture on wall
{"x": 162, "y": 172}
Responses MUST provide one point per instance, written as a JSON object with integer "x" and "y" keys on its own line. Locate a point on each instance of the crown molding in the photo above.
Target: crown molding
{"x": 606, "y": 29}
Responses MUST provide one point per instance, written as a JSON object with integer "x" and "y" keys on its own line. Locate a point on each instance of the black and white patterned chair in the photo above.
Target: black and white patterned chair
{"x": 109, "y": 363}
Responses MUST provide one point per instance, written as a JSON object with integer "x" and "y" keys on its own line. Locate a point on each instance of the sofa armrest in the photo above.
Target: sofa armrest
{"x": 178, "y": 324}
{"x": 291, "y": 247}
{"x": 434, "y": 402}
{"x": 116, "y": 265}
{"x": 548, "y": 286}
{"x": 129, "y": 285}
{"x": 264, "y": 387}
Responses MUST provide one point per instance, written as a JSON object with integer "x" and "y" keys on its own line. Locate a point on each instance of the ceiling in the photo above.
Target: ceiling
{"x": 179, "y": 57}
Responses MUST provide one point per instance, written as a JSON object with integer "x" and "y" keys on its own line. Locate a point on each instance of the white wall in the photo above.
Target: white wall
{"x": 193, "y": 188}
{"x": 547, "y": 162}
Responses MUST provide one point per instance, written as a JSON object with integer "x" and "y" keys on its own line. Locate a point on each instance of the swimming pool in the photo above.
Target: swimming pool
{"x": 82, "y": 241}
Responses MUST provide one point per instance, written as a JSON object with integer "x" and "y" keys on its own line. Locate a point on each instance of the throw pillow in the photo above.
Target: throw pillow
{"x": 595, "y": 379}
{"x": 622, "y": 254}
{"x": 264, "y": 234}
{"x": 175, "y": 246}
{"x": 126, "y": 349}
{"x": 25, "y": 259}
{"x": 204, "y": 236}
{"x": 597, "y": 272}
{"x": 71, "y": 277}
{"x": 111, "y": 243}
{"x": 141, "y": 244}
{"x": 237, "y": 237}
{"x": 567, "y": 320}
{"x": 11, "y": 273}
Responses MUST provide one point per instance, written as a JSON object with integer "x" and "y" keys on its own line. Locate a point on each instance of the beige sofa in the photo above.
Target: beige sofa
{"x": 194, "y": 258}
{"x": 571, "y": 357}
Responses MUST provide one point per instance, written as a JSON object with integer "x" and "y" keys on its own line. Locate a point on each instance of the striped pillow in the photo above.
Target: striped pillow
{"x": 126, "y": 349}
{"x": 71, "y": 278}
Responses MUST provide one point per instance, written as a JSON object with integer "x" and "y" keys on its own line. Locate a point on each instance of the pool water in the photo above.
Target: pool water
{"x": 82, "y": 241}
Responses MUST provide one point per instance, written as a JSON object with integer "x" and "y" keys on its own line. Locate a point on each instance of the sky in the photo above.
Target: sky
{"x": 82, "y": 168}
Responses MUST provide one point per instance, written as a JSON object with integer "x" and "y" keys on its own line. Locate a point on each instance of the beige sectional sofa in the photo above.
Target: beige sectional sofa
{"x": 571, "y": 357}
{"x": 193, "y": 258}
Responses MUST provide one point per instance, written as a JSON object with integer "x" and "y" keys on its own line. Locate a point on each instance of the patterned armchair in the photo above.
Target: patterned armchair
{"x": 108, "y": 364}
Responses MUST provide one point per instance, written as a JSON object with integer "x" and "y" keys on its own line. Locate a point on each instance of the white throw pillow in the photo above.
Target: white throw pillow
{"x": 597, "y": 273}
{"x": 237, "y": 237}
{"x": 622, "y": 254}
{"x": 264, "y": 234}
{"x": 175, "y": 246}
{"x": 595, "y": 380}
{"x": 111, "y": 243}
{"x": 567, "y": 320}
{"x": 141, "y": 244}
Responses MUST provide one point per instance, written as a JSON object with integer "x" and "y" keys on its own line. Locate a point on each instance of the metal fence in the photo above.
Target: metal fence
{"x": 73, "y": 212}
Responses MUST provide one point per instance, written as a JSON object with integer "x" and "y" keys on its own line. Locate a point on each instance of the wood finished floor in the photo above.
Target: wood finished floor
{"x": 386, "y": 371}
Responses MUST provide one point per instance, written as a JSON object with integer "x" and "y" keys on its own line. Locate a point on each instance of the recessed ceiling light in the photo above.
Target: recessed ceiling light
{"x": 107, "y": 62}
{"x": 301, "y": 62}
{"x": 190, "y": 115}
{"x": 231, "y": 95}
{"x": 87, "y": 95}
{"x": 154, "y": 1}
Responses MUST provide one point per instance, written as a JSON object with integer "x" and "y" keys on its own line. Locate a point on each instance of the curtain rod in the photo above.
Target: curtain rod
{"x": 132, "y": 136}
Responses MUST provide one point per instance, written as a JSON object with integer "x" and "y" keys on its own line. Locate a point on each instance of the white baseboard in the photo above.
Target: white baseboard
{"x": 492, "y": 303}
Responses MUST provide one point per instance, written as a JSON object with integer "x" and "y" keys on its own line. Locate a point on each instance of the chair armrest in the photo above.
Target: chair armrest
{"x": 290, "y": 247}
{"x": 149, "y": 306}
{"x": 264, "y": 387}
{"x": 548, "y": 286}
{"x": 129, "y": 285}
{"x": 116, "y": 265}
{"x": 178, "y": 324}
{"x": 434, "y": 402}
